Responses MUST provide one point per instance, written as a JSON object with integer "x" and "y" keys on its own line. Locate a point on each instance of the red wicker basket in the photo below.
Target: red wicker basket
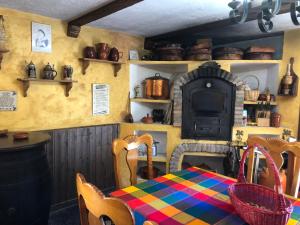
{"x": 257, "y": 204}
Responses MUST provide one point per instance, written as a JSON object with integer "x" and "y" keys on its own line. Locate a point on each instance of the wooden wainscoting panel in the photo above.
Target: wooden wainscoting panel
{"x": 86, "y": 150}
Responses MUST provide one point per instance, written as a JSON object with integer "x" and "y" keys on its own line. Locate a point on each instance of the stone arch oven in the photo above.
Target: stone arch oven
{"x": 205, "y": 101}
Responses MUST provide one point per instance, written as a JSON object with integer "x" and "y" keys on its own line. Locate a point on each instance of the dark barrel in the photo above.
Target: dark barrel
{"x": 25, "y": 181}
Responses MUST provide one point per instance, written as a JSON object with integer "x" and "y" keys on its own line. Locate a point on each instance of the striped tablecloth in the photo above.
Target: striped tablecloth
{"x": 191, "y": 196}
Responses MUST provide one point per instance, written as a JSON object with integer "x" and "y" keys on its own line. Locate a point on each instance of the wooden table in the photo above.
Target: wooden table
{"x": 193, "y": 196}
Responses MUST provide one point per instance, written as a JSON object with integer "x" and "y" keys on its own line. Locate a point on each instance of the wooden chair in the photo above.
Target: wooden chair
{"x": 276, "y": 147}
{"x": 93, "y": 205}
{"x": 125, "y": 154}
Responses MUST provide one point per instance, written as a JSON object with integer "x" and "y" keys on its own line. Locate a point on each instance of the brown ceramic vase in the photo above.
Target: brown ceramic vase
{"x": 89, "y": 52}
{"x": 103, "y": 50}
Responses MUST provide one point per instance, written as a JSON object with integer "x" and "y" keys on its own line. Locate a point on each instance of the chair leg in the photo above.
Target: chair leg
{"x": 296, "y": 180}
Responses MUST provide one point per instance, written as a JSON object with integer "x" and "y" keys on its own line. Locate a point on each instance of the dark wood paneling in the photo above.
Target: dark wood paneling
{"x": 86, "y": 150}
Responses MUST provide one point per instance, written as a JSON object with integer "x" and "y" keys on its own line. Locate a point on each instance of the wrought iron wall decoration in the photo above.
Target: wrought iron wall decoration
{"x": 295, "y": 11}
{"x": 268, "y": 10}
{"x": 235, "y": 13}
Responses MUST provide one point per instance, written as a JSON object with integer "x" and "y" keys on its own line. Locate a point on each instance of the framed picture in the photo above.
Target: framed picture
{"x": 41, "y": 38}
{"x": 133, "y": 55}
{"x": 8, "y": 101}
{"x": 100, "y": 99}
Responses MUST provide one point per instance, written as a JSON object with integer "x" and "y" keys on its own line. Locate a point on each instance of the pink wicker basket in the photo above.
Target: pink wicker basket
{"x": 257, "y": 204}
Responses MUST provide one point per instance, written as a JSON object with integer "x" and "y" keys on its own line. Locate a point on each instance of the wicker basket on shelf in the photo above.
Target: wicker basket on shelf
{"x": 257, "y": 204}
{"x": 252, "y": 95}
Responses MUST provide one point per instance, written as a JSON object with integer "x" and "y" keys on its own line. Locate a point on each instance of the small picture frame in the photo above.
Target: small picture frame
{"x": 41, "y": 38}
{"x": 133, "y": 55}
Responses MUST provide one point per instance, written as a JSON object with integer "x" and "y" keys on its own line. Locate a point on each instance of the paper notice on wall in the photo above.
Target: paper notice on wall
{"x": 8, "y": 101}
{"x": 100, "y": 99}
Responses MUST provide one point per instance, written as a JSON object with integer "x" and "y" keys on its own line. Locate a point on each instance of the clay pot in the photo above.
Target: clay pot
{"x": 89, "y": 52}
{"x": 103, "y": 50}
{"x": 147, "y": 119}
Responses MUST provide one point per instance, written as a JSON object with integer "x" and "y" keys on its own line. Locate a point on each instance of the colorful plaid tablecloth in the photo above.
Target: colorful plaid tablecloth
{"x": 192, "y": 197}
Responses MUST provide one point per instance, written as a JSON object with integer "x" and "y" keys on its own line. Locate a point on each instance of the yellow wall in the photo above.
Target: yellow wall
{"x": 46, "y": 106}
{"x": 289, "y": 106}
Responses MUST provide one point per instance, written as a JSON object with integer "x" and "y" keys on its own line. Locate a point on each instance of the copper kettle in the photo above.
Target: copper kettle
{"x": 157, "y": 87}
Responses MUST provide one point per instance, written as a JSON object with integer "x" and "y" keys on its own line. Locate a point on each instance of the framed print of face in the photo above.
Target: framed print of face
{"x": 133, "y": 55}
{"x": 41, "y": 40}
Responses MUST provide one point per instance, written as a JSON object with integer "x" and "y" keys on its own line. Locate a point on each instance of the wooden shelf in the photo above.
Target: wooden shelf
{"x": 158, "y": 158}
{"x": 145, "y": 62}
{"x": 86, "y": 63}
{"x": 258, "y": 102}
{"x": 146, "y": 100}
{"x": 26, "y": 84}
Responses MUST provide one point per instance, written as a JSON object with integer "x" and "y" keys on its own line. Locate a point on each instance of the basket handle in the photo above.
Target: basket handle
{"x": 270, "y": 161}
{"x": 253, "y": 76}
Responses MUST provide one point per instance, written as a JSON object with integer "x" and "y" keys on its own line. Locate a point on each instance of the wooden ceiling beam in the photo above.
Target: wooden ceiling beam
{"x": 103, "y": 11}
{"x": 200, "y": 30}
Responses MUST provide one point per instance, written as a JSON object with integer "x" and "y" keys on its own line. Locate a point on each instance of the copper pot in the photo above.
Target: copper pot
{"x": 157, "y": 87}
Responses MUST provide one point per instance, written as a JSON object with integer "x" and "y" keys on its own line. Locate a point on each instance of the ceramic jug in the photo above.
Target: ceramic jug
{"x": 67, "y": 72}
{"x": 103, "y": 50}
{"x": 89, "y": 52}
{"x": 49, "y": 73}
{"x": 30, "y": 70}
{"x": 114, "y": 55}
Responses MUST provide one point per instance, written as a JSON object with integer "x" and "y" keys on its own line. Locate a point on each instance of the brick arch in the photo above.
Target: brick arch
{"x": 211, "y": 69}
{"x": 195, "y": 147}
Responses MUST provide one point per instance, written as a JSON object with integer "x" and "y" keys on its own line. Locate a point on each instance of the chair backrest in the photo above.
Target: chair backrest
{"x": 125, "y": 154}
{"x": 276, "y": 147}
{"x": 93, "y": 205}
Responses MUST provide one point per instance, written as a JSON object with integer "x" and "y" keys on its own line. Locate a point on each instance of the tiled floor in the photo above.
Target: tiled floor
{"x": 67, "y": 216}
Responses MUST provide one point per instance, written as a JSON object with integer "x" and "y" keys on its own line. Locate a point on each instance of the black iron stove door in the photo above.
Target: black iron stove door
{"x": 208, "y": 109}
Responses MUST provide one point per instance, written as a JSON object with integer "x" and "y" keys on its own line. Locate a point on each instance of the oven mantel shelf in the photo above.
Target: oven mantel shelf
{"x": 146, "y": 100}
